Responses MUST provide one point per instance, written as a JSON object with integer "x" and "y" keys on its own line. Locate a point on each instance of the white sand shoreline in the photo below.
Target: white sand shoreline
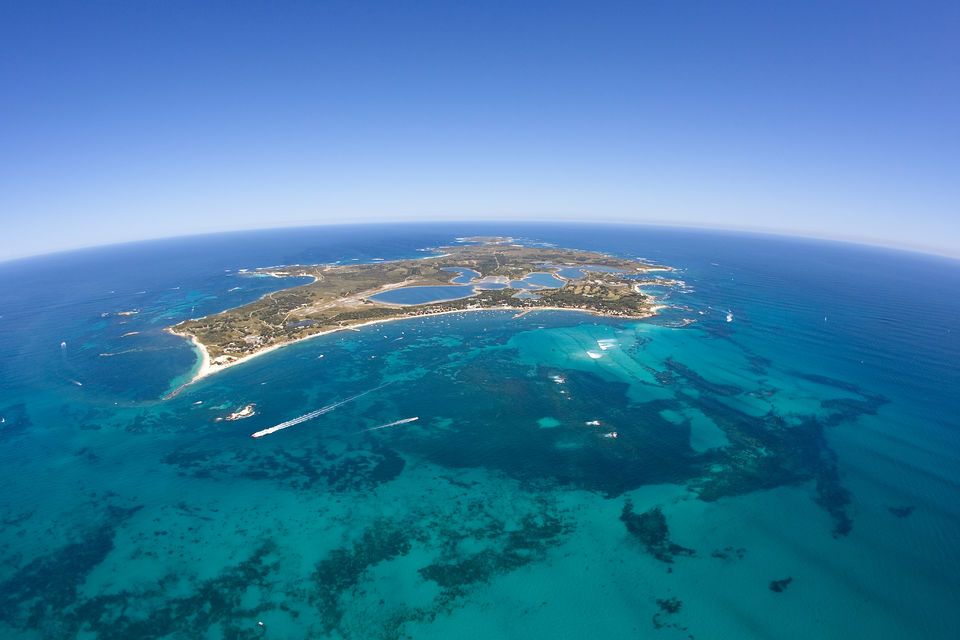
{"x": 208, "y": 368}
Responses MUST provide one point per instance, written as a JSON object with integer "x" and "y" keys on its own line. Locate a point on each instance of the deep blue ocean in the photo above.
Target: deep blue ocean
{"x": 787, "y": 462}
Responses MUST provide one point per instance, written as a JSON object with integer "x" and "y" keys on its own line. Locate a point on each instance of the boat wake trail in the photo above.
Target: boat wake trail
{"x": 312, "y": 414}
{"x": 392, "y": 424}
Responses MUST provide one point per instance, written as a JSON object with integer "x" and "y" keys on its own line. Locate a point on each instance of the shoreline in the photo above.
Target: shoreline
{"x": 206, "y": 365}
{"x": 208, "y": 368}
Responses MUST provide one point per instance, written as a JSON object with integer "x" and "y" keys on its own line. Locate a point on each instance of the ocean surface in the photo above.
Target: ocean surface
{"x": 786, "y": 461}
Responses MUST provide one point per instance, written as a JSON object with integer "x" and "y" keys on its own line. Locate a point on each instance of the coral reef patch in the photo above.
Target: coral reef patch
{"x": 650, "y": 528}
{"x": 778, "y": 586}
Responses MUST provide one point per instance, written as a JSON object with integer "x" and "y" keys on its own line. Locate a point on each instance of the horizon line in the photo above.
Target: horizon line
{"x": 746, "y": 230}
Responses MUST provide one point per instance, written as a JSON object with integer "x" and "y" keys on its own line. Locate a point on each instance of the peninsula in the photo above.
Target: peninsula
{"x": 482, "y": 273}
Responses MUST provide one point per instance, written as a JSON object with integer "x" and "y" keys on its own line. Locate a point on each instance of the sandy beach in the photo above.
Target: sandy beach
{"x": 208, "y": 368}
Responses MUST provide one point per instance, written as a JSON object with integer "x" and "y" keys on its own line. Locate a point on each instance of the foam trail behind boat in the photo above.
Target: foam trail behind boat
{"x": 311, "y": 415}
{"x": 392, "y": 424}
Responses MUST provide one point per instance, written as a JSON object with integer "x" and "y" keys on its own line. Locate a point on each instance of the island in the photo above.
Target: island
{"x": 480, "y": 273}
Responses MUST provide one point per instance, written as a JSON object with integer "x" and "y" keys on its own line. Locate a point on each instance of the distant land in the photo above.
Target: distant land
{"x": 481, "y": 273}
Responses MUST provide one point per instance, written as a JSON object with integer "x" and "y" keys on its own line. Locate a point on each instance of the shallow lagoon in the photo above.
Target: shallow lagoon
{"x": 464, "y": 275}
{"x": 535, "y": 280}
{"x": 423, "y": 295}
{"x": 544, "y": 280}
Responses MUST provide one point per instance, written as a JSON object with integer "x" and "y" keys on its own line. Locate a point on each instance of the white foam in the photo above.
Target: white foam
{"x": 311, "y": 415}
{"x": 395, "y": 423}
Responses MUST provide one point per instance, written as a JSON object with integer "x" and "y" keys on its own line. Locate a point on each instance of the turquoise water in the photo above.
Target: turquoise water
{"x": 424, "y": 294}
{"x": 792, "y": 473}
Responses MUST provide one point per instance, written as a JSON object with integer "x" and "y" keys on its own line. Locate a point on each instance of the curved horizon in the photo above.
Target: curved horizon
{"x": 142, "y": 121}
{"x": 773, "y": 233}
{"x": 480, "y": 319}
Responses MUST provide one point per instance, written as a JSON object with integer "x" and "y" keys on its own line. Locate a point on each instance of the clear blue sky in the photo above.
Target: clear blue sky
{"x": 130, "y": 120}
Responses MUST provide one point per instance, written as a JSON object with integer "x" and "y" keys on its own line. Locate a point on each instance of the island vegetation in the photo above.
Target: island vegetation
{"x": 343, "y": 296}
